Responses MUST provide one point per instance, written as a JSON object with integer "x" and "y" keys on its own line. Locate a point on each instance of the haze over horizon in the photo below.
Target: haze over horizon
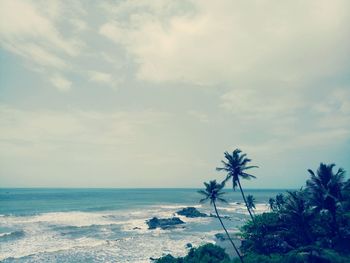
{"x": 151, "y": 93}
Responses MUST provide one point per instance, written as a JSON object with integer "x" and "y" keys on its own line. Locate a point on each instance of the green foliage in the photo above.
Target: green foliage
{"x": 251, "y": 202}
{"x": 263, "y": 236}
{"x": 213, "y": 192}
{"x": 236, "y": 167}
{"x": 303, "y": 255}
{"x": 309, "y": 225}
{"x": 207, "y": 253}
{"x": 168, "y": 259}
{"x": 257, "y": 258}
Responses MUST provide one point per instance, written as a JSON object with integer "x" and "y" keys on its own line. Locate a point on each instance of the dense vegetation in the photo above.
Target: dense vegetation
{"x": 208, "y": 253}
{"x": 308, "y": 225}
{"x": 312, "y": 223}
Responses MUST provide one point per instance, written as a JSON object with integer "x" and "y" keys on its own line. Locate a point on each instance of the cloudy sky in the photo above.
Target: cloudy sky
{"x": 151, "y": 93}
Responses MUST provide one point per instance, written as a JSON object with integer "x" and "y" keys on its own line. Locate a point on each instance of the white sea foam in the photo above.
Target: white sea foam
{"x": 5, "y": 234}
{"x": 38, "y": 240}
{"x": 242, "y": 209}
{"x": 41, "y": 237}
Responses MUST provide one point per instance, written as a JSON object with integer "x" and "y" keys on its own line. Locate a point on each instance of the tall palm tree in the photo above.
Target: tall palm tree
{"x": 280, "y": 201}
{"x": 297, "y": 213}
{"x": 272, "y": 203}
{"x": 213, "y": 192}
{"x": 236, "y": 167}
{"x": 325, "y": 189}
{"x": 251, "y": 203}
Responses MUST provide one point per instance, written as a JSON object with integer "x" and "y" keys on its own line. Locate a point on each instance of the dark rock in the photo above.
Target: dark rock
{"x": 221, "y": 236}
{"x": 164, "y": 223}
{"x": 136, "y": 228}
{"x": 188, "y": 245}
{"x": 191, "y": 212}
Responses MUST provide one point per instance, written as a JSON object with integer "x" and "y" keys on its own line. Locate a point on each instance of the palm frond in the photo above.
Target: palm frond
{"x": 247, "y": 176}
{"x": 202, "y": 192}
{"x": 204, "y": 200}
{"x": 250, "y": 167}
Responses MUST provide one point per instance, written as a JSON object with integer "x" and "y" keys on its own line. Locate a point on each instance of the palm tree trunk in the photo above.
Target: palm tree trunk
{"x": 245, "y": 200}
{"x": 223, "y": 226}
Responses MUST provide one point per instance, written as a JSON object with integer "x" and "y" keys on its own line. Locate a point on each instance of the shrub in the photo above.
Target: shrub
{"x": 207, "y": 253}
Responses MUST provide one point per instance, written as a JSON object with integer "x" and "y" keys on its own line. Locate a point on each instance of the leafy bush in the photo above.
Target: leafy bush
{"x": 207, "y": 253}
{"x": 264, "y": 235}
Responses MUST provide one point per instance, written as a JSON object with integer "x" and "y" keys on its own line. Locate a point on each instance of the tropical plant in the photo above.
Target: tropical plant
{"x": 263, "y": 235}
{"x": 235, "y": 166}
{"x": 207, "y": 253}
{"x": 251, "y": 203}
{"x": 297, "y": 214}
{"x": 280, "y": 201}
{"x": 272, "y": 204}
{"x": 213, "y": 193}
{"x": 325, "y": 189}
{"x": 277, "y": 203}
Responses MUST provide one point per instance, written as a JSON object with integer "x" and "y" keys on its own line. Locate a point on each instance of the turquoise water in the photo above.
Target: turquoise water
{"x": 107, "y": 225}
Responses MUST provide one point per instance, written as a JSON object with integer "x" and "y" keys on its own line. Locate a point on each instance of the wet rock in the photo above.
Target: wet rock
{"x": 191, "y": 212}
{"x": 221, "y": 236}
{"x": 164, "y": 223}
{"x": 188, "y": 245}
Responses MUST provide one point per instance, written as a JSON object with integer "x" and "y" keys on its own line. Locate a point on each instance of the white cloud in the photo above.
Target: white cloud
{"x": 269, "y": 57}
{"x": 300, "y": 142}
{"x": 200, "y": 116}
{"x": 22, "y": 22}
{"x": 79, "y": 24}
{"x": 333, "y": 111}
{"x": 30, "y": 30}
{"x": 229, "y": 40}
{"x": 35, "y": 53}
{"x": 98, "y": 76}
{"x": 50, "y": 127}
{"x": 61, "y": 83}
{"x": 254, "y": 103}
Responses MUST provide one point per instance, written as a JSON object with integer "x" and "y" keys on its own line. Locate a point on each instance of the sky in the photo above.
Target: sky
{"x": 152, "y": 93}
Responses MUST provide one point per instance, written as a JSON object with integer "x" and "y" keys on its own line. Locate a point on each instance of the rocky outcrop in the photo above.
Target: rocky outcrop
{"x": 164, "y": 223}
{"x": 191, "y": 212}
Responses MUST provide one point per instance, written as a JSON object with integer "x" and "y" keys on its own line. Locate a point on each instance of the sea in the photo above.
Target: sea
{"x": 109, "y": 225}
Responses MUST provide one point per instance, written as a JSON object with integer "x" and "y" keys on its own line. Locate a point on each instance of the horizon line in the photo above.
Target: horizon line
{"x": 121, "y": 188}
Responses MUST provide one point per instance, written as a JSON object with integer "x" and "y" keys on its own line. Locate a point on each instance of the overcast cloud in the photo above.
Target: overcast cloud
{"x": 151, "y": 93}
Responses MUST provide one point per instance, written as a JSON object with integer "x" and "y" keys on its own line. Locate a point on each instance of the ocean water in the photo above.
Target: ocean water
{"x": 108, "y": 225}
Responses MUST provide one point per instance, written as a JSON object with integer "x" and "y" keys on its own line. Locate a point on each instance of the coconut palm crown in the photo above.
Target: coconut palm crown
{"x": 212, "y": 192}
{"x": 251, "y": 202}
{"x": 236, "y": 166}
{"x": 325, "y": 186}
{"x": 325, "y": 190}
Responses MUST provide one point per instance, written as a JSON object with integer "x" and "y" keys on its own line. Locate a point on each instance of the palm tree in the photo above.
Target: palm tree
{"x": 272, "y": 203}
{"x": 236, "y": 167}
{"x": 213, "y": 192}
{"x": 280, "y": 201}
{"x": 251, "y": 203}
{"x": 296, "y": 212}
{"x": 325, "y": 189}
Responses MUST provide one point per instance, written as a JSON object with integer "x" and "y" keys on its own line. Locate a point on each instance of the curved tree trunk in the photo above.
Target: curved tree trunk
{"x": 245, "y": 200}
{"x": 223, "y": 226}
